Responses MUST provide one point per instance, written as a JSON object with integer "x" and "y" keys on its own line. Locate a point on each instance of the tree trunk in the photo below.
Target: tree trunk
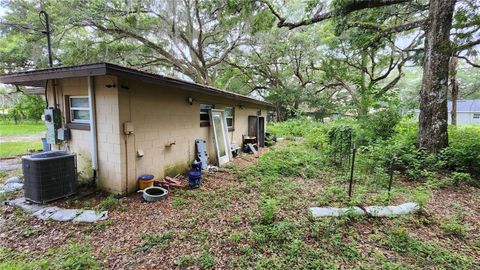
{"x": 433, "y": 124}
{"x": 453, "y": 88}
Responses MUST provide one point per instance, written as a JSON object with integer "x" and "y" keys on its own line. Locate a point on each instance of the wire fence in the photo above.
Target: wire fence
{"x": 356, "y": 166}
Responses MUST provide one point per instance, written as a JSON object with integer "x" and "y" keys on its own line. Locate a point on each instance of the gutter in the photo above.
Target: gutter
{"x": 93, "y": 127}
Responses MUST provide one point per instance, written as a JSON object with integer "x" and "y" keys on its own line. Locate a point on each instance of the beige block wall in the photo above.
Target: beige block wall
{"x": 159, "y": 115}
{"x": 108, "y": 130}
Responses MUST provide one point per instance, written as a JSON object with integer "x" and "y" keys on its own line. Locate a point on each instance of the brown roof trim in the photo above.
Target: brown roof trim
{"x": 38, "y": 78}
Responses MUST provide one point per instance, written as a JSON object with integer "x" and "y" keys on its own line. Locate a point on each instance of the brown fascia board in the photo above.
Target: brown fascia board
{"x": 152, "y": 78}
{"x": 38, "y": 78}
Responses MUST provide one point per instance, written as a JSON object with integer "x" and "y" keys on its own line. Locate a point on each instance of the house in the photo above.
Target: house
{"x": 122, "y": 122}
{"x": 468, "y": 112}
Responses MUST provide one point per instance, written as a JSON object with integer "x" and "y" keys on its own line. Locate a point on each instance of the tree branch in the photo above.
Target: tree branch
{"x": 348, "y": 8}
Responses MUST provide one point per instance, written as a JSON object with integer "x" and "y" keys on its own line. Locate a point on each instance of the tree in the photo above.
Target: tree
{"x": 189, "y": 38}
{"x": 437, "y": 49}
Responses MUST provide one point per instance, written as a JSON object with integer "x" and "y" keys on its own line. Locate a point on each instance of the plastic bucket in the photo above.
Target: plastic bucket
{"x": 143, "y": 184}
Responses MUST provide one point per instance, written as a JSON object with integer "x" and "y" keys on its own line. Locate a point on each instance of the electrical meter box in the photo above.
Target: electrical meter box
{"x": 63, "y": 134}
{"x": 52, "y": 122}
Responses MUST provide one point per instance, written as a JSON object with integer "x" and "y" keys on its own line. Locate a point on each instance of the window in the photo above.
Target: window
{"x": 79, "y": 110}
{"x": 476, "y": 116}
{"x": 204, "y": 118}
{"x": 229, "y": 115}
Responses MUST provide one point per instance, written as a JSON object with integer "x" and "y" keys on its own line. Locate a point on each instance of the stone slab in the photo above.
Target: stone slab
{"x": 65, "y": 214}
{"x": 91, "y": 216}
{"x": 26, "y": 206}
{"x": 11, "y": 187}
{"x": 14, "y": 179}
{"x": 46, "y": 213}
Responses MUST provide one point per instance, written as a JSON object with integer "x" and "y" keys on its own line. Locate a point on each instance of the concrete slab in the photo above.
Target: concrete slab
{"x": 65, "y": 214}
{"x": 11, "y": 187}
{"x": 91, "y": 216}
{"x": 46, "y": 213}
{"x": 26, "y": 206}
{"x": 14, "y": 179}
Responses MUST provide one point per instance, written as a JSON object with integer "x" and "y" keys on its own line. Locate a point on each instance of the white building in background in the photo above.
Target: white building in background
{"x": 468, "y": 112}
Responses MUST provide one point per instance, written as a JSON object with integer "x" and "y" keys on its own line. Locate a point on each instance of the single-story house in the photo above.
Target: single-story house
{"x": 468, "y": 112}
{"x": 122, "y": 122}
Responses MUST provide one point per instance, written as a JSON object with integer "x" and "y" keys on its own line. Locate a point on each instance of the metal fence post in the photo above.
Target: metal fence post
{"x": 350, "y": 186}
{"x": 392, "y": 163}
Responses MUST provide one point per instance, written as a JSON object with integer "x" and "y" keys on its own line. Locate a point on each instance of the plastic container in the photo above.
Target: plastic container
{"x": 194, "y": 178}
{"x": 145, "y": 181}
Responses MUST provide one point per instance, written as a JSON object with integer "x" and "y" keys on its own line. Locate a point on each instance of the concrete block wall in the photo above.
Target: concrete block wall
{"x": 161, "y": 115}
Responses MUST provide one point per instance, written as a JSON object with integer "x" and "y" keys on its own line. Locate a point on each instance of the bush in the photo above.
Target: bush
{"x": 463, "y": 153}
{"x": 292, "y": 128}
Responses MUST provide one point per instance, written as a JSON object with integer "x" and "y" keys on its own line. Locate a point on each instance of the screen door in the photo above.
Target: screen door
{"x": 218, "y": 125}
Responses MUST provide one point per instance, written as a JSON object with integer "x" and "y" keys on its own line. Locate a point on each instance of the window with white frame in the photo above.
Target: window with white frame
{"x": 229, "y": 115}
{"x": 476, "y": 116}
{"x": 204, "y": 117}
{"x": 79, "y": 109}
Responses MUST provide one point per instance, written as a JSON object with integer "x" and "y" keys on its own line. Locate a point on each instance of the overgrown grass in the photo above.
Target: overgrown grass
{"x": 12, "y": 149}
{"x": 8, "y": 129}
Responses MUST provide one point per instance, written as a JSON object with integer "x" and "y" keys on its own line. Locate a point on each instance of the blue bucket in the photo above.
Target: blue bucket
{"x": 194, "y": 178}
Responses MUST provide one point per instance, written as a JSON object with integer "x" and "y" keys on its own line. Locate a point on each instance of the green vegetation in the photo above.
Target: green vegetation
{"x": 256, "y": 217}
{"x": 71, "y": 256}
{"x": 9, "y": 129}
{"x": 11, "y": 149}
{"x": 23, "y": 144}
{"x": 160, "y": 241}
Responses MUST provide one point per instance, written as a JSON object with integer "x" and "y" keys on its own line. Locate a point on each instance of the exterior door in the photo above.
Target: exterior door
{"x": 218, "y": 125}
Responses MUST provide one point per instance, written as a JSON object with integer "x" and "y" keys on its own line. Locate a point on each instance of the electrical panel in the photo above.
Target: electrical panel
{"x": 128, "y": 128}
{"x": 52, "y": 120}
{"x": 63, "y": 134}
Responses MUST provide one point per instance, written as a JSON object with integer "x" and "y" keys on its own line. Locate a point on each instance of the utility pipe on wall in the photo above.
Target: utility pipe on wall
{"x": 93, "y": 126}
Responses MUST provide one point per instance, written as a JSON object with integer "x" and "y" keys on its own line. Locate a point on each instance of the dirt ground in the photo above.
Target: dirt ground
{"x": 208, "y": 221}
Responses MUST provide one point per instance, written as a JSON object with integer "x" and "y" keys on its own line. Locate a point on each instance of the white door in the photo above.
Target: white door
{"x": 218, "y": 125}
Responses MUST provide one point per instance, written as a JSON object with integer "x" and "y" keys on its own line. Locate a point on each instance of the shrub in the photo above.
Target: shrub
{"x": 463, "y": 153}
{"x": 459, "y": 177}
{"x": 292, "y": 128}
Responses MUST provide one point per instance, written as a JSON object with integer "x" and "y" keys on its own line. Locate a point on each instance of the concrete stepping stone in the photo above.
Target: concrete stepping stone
{"x": 376, "y": 211}
{"x": 65, "y": 214}
{"x": 28, "y": 207}
{"x": 46, "y": 213}
{"x": 91, "y": 216}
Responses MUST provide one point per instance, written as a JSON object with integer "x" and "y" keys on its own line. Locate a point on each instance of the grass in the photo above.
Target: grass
{"x": 22, "y": 146}
{"x": 21, "y": 129}
{"x": 12, "y": 149}
{"x": 256, "y": 217}
{"x": 70, "y": 256}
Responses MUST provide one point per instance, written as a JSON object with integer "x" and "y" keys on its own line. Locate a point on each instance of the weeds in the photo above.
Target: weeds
{"x": 110, "y": 203}
{"x": 426, "y": 255}
{"x": 71, "y": 256}
{"x": 453, "y": 227}
{"x": 160, "y": 241}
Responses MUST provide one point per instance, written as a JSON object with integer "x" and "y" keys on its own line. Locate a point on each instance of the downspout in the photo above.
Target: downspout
{"x": 93, "y": 127}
